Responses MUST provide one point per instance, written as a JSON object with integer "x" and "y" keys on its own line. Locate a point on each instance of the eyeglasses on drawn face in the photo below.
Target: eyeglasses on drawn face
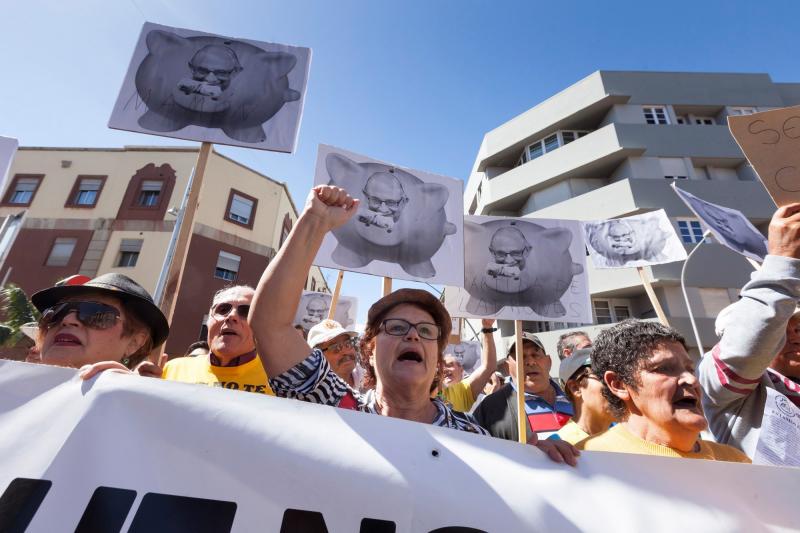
{"x": 93, "y": 315}
{"x": 338, "y": 347}
{"x": 516, "y": 255}
{"x": 375, "y": 203}
{"x": 399, "y": 327}
{"x": 223, "y": 309}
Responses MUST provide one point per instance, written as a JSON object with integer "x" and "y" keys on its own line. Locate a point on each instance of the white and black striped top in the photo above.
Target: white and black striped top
{"x": 313, "y": 380}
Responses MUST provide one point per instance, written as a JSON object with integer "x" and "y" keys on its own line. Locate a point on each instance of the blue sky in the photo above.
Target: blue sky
{"x": 415, "y": 83}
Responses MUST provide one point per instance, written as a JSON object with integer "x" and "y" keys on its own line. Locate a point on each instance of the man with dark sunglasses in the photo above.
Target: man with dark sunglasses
{"x": 232, "y": 361}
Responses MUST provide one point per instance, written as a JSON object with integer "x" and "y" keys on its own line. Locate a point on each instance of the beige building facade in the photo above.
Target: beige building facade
{"x": 92, "y": 211}
{"x": 610, "y": 146}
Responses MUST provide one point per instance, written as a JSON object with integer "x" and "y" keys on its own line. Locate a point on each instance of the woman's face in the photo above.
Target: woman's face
{"x": 405, "y": 361}
{"x": 68, "y": 342}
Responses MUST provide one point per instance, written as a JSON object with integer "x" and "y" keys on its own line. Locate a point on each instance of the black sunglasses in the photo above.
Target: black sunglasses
{"x": 221, "y": 310}
{"x": 91, "y": 314}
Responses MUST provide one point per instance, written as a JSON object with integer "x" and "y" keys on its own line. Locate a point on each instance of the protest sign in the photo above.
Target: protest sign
{"x": 468, "y": 353}
{"x": 8, "y": 147}
{"x": 315, "y": 306}
{"x": 218, "y": 460}
{"x": 729, "y": 226}
{"x": 522, "y": 269}
{"x": 198, "y": 86}
{"x": 771, "y": 142}
{"x": 409, "y": 224}
{"x": 779, "y": 438}
{"x": 636, "y": 241}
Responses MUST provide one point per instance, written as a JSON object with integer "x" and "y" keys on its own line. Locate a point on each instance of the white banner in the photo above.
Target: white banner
{"x": 124, "y": 453}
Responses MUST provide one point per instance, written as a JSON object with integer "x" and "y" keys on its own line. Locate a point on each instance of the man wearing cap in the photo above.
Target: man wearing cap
{"x": 339, "y": 347}
{"x": 546, "y": 407}
{"x": 585, "y": 390}
{"x": 232, "y": 362}
{"x": 757, "y": 360}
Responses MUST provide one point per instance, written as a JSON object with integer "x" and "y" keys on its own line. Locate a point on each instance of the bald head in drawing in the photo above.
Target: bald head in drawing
{"x": 385, "y": 194}
{"x": 316, "y": 312}
{"x": 509, "y": 247}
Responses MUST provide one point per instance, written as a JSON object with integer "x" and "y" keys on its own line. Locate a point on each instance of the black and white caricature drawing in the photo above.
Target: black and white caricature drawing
{"x": 198, "y": 86}
{"x": 408, "y": 224}
{"x": 468, "y": 353}
{"x": 314, "y": 307}
{"x": 635, "y": 241}
{"x": 8, "y": 147}
{"x": 521, "y": 269}
{"x": 730, "y": 227}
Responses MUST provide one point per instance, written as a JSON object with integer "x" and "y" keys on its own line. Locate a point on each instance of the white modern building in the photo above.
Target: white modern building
{"x": 610, "y": 146}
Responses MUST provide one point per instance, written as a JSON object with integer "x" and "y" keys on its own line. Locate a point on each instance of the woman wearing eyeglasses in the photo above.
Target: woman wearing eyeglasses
{"x": 401, "y": 349}
{"x": 109, "y": 318}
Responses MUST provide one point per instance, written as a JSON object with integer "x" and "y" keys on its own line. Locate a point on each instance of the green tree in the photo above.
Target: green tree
{"x": 17, "y": 310}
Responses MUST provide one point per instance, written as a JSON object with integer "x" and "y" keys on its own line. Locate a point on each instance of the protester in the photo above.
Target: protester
{"x": 402, "y": 345}
{"x": 571, "y": 341}
{"x": 759, "y": 352}
{"x": 585, "y": 390}
{"x": 197, "y": 348}
{"x": 459, "y": 392}
{"x": 651, "y": 388}
{"x": 108, "y": 318}
{"x": 339, "y": 347}
{"x": 546, "y": 407}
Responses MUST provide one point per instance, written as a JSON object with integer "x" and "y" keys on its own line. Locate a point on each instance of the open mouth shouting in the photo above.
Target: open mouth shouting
{"x": 411, "y": 355}
{"x": 689, "y": 402}
{"x": 66, "y": 339}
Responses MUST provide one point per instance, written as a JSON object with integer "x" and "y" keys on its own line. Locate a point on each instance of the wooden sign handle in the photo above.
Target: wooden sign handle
{"x": 522, "y": 419}
{"x": 648, "y": 287}
{"x": 387, "y": 286}
{"x": 335, "y": 298}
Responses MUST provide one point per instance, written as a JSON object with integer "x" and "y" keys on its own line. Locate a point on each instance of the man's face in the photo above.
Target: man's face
{"x": 385, "y": 194}
{"x": 591, "y": 394}
{"x": 509, "y": 248}
{"x": 536, "y": 367}
{"x": 230, "y": 335}
{"x": 214, "y": 65}
{"x": 788, "y": 361}
{"x": 621, "y": 239}
{"x": 453, "y": 371}
{"x": 668, "y": 394}
{"x": 341, "y": 355}
{"x": 316, "y": 312}
{"x": 580, "y": 342}
{"x": 458, "y": 352}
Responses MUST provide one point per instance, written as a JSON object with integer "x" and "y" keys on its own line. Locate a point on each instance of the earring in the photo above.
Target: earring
{"x": 126, "y": 361}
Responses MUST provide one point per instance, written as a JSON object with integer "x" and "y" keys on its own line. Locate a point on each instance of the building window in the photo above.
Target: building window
{"x": 61, "y": 252}
{"x": 286, "y": 229}
{"x": 149, "y": 193}
{"x": 680, "y": 119}
{"x": 550, "y": 143}
{"x": 241, "y": 208}
{"x": 86, "y": 191}
{"x": 23, "y": 189}
{"x": 691, "y": 231}
{"x": 742, "y": 110}
{"x": 655, "y": 115}
{"x": 608, "y": 312}
{"x": 704, "y": 121}
{"x": 676, "y": 177}
{"x": 227, "y": 266}
{"x": 129, "y": 252}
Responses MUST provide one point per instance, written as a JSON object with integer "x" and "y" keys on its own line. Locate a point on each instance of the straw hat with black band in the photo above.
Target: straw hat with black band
{"x": 131, "y": 294}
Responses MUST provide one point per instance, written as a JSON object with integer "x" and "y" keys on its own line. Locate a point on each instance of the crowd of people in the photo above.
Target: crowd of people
{"x": 635, "y": 389}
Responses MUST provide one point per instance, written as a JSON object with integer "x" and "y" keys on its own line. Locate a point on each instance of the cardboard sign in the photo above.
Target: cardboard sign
{"x": 636, "y": 241}
{"x": 8, "y": 147}
{"x": 409, "y": 224}
{"x": 203, "y": 87}
{"x": 729, "y": 226}
{"x": 314, "y": 307}
{"x": 522, "y": 269}
{"x": 72, "y": 458}
{"x": 468, "y": 354}
{"x": 771, "y": 142}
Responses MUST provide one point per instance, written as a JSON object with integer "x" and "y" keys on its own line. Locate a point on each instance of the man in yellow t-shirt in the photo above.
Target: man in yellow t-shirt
{"x": 649, "y": 382}
{"x": 232, "y": 362}
{"x": 459, "y": 392}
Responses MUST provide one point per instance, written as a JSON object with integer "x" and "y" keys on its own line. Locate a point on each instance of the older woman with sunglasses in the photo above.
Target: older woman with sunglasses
{"x": 108, "y": 318}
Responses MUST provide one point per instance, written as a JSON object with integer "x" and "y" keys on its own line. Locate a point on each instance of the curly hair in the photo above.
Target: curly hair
{"x": 367, "y": 344}
{"x": 623, "y": 348}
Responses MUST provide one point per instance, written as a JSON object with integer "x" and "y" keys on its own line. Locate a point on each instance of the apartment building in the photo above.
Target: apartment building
{"x": 610, "y": 146}
{"x": 96, "y": 210}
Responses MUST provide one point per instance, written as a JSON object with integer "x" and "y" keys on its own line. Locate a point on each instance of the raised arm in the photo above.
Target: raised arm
{"x": 278, "y": 293}
{"x": 481, "y": 376}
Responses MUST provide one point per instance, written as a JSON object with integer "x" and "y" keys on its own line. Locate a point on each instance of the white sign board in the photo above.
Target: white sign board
{"x": 124, "y": 453}
{"x": 522, "y": 269}
{"x": 468, "y": 354}
{"x": 729, "y": 226}
{"x": 8, "y": 147}
{"x": 203, "y": 87}
{"x": 636, "y": 241}
{"x": 409, "y": 224}
{"x": 314, "y": 307}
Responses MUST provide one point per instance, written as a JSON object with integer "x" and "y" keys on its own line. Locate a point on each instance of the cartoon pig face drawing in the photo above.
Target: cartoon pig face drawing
{"x": 212, "y": 82}
{"x": 517, "y": 263}
{"x": 401, "y": 219}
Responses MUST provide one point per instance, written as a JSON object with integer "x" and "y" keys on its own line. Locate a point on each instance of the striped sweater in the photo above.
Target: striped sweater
{"x": 735, "y": 374}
